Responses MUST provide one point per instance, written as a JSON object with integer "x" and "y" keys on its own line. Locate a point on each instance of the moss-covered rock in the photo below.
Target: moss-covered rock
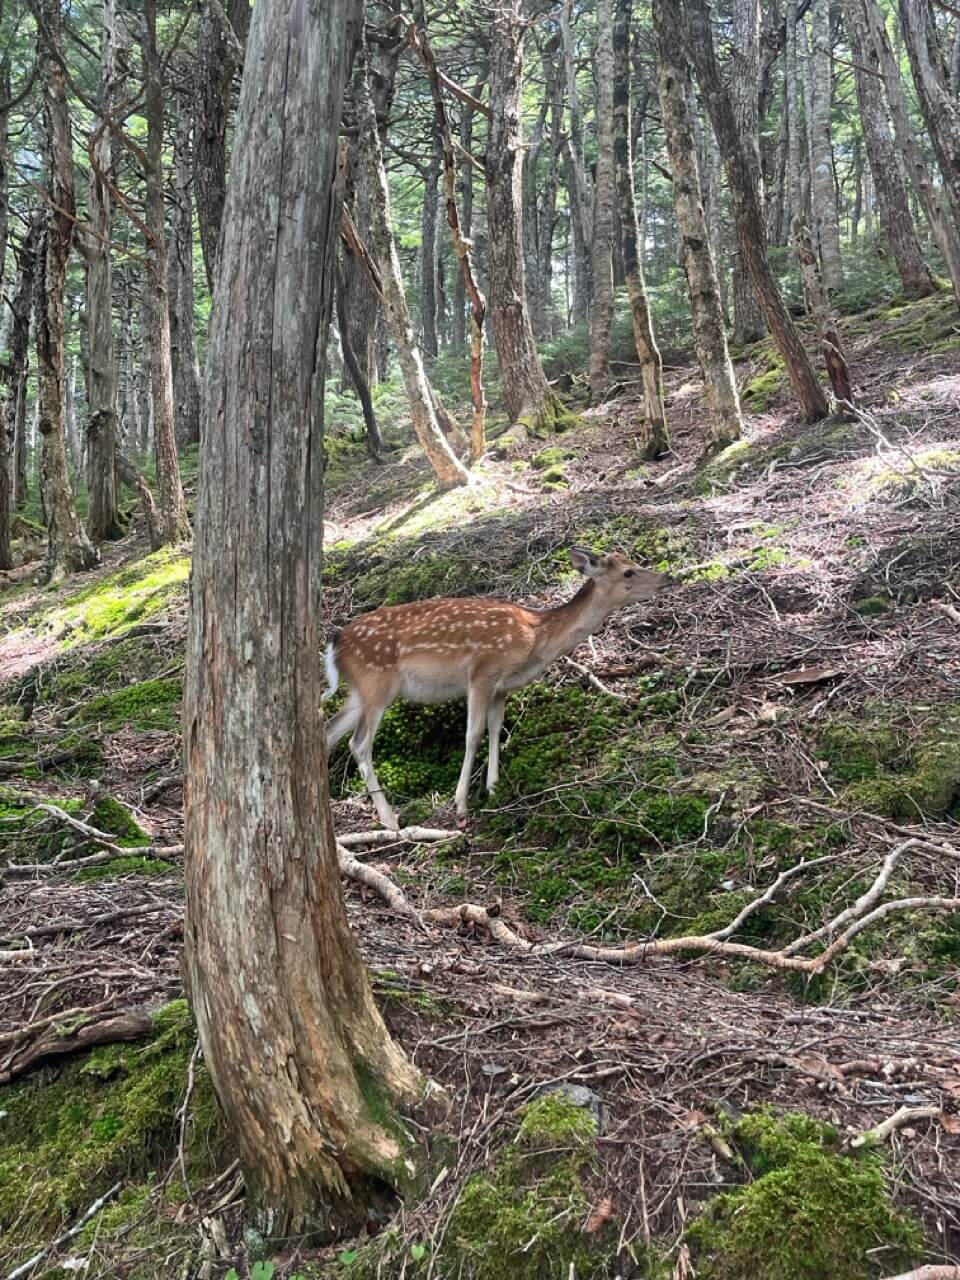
{"x": 808, "y": 1213}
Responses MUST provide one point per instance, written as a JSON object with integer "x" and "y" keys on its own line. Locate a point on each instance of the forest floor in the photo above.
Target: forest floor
{"x": 793, "y": 706}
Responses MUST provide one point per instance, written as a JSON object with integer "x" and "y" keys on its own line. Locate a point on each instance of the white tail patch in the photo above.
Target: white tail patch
{"x": 332, "y": 672}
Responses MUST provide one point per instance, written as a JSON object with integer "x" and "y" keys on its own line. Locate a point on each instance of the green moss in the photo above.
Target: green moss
{"x": 856, "y": 749}
{"x": 718, "y": 471}
{"x": 553, "y": 457}
{"x": 151, "y": 704}
{"x": 70, "y": 1135}
{"x": 809, "y": 1213}
{"x": 114, "y": 604}
{"x": 872, "y": 606}
{"x": 555, "y": 478}
{"x": 928, "y": 326}
{"x": 763, "y": 390}
{"x": 524, "y": 1219}
{"x": 903, "y": 481}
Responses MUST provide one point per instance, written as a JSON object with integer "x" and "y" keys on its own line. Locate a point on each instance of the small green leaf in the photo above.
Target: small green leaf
{"x": 418, "y": 1252}
{"x": 262, "y": 1271}
{"x": 346, "y": 1256}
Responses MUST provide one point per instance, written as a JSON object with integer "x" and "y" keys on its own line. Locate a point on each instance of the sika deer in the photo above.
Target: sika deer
{"x": 436, "y": 650}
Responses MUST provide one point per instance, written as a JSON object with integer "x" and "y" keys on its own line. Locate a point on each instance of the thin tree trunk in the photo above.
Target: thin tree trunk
{"x": 461, "y": 246}
{"x": 428, "y": 254}
{"x": 103, "y": 517}
{"x": 525, "y": 389}
{"x": 11, "y": 377}
{"x": 466, "y": 186}
{"x": 531, "y": 227}
{"x": 21, "y": 307}
{"x": 68, "y": 547}
{"x": 934, "y": 198}
{"x": 74, "y": 450}
{"x": 220, "y": 40}
{"x": 601, "y": 313}
{"x": 893, "y": 205}
{"x": 183, "y": 343}
{"x": 134, "y": 478}
{"x": 174, "y": 522}
{"x": 818, "y": 306}
{"x": 823, "y": 181}
{"x": 655, "y": 440}
{"x": 374, "y": 435}
{"x": 548, "y": 201}
{"x": 940, "y": 106}
{"x": 447, "y": 467}
{"x": 709, "y": 331}
{"x": 261, "y": 860}
{"x": 748, "y": 322}
{"x": 578, "y": 184}
{"x": 744, "y": 181}
{"x": 791, "y": 82}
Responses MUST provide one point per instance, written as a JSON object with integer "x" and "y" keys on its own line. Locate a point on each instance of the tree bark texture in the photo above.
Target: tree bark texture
{"x": 68, "y": 547}
{"x": 893, "y": 204}
{"x": 655, "y": 440}
{"x": 183, "y": 341}
{"x": 709, "y": 330}
{"x": 525, "y": 389}
{"x": 174, "y": 522}
{"x": 10, "y": 375}
{"x": 939, "y": 103}
{"x": 103, "y": 517}
{"x": 818, "y": 306}
{"x": 823, "y": 181}
{"x": 744, "y": 180}
{"x": 601, "y": 313}
{"x": 792, "y": 98}
{"x": 748, "y": 322}
{"x": 285, "y": 1013}
{"x": 428, "y": 254}
{"x": 447, "y": 467}
{"x": 219, "y": 57}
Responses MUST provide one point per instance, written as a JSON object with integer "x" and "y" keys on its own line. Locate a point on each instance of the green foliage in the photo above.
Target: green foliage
{"x": 110, "y": 1116}
{"x": 524, "y": 1219}
{"x": 809, "y": 1213}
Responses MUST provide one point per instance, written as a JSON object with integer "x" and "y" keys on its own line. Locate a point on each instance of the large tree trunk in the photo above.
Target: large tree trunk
{"x": 183, "y": 341}
{"x": 103, "y": 517}
{"x": 219, "y": 55}
{"x": 893, "y": 204}
{"x": 525, "y": 389}
{"x": 601, "y": 314}
{"x": 302, "y": 1063}
{"x": 939, "y": 103}
{"x": 68, "y": 547}
{"x": 748, "y": 323}
{"x": 824, "y": 187}
{"x": 709, "y": 331}
{"x": 651, "y": 371}
{"x": 21, "y": 308}
{"x": 447, "y": 467}
{"x": 174, "y": 522}
{"x": 743, "y": 176}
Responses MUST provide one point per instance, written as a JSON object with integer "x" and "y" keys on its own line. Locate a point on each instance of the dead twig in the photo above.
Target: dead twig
{"x": 876, "y": 1136}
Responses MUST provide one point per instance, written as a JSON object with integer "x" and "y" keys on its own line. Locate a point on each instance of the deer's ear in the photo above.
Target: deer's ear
{"x": 586, "y": 562}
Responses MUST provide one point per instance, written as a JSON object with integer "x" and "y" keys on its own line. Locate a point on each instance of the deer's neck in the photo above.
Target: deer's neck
{"x": 567, "y": 626}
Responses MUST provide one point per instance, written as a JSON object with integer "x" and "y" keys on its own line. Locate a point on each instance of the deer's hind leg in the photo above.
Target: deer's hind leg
{"x": 361, "y": 744}
{"x": 345, "y": 721}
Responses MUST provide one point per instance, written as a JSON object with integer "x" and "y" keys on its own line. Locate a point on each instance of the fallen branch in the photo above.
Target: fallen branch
{"x": 932, "y": 1272}
{"x": 478, "y": 918}
{"x": 594, "y": 680}
{"x": 26, "y": 1267}
{"x": 406, "y": 835}
{"x": 876, "y": 1136}
{"x": 379, "y": 882}
{"x": 123, "y": 1027}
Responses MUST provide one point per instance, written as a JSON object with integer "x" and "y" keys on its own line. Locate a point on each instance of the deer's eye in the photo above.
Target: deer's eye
{"x": 628, "y": 573}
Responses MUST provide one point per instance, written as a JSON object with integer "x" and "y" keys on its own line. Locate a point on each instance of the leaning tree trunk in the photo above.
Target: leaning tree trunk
{"x": 748, "y": 322}
{"x": 892, "y": 200}
{"x": 933, "y": 197}
{"x": 601, "y": 313}
{"x": 525, "y": 390}
{"x": 302, "y": 1063}
{"x": 824, "y": 188}
{"x": 709, "y": 330}
{"x": 103, "y": 517}
{"x": 654, "y": 441}
{"x": 68, "y": 547}
{"x": 174, "y": 522}
{"x": 186, "y": 366}
{"x": 744, "y": 179}
{"x": 939, "y": 104}
{"x": 447, "y": 467}
{"x": 220, "y": 39}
